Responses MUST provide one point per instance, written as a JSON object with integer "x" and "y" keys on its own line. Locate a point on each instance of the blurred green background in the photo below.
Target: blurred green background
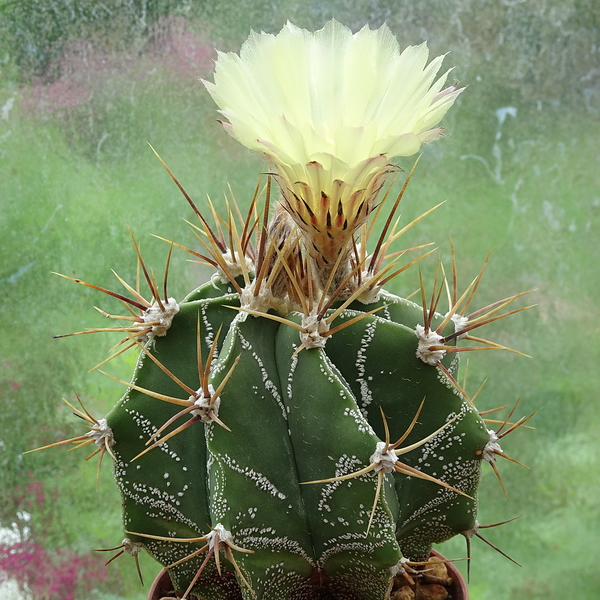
{"x": 85, "y": 85}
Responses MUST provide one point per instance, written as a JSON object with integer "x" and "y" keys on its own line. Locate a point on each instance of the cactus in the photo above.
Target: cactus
{"x": 292, "y": 430}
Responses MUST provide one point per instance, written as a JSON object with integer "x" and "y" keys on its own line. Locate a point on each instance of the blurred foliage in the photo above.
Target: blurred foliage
{"x": 93, "y": 69}
{"x": 81, "y": 93}
{"x": 35, "y": 32}
{"x": 534, "y": 51}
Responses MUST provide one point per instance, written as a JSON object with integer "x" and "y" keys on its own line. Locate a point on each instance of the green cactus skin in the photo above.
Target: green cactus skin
{"x": 331, "y": 438}
{"x": 282, "y": 458}
{"x": 165, "y": 491}
{"x": 293, "y": 419}
{"x": 378, "y": 359}
{"x": 253, "y": 481}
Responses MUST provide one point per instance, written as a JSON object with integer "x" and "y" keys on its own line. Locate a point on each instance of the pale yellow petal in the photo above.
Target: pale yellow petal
{"x": 331, "y": 109}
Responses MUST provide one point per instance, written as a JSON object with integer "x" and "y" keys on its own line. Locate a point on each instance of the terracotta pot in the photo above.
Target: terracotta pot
{"x": 160, "y": 586}
{"x": 458, "y": 590}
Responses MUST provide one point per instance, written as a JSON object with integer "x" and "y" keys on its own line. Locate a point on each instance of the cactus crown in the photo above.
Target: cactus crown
{"x": 292, "y": 430}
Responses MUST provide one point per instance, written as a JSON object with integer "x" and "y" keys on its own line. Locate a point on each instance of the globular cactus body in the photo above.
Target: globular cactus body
{"x": 292, "y": 420}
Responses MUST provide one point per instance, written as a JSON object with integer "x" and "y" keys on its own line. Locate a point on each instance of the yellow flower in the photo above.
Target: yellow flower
{"x": 329, "y": 110}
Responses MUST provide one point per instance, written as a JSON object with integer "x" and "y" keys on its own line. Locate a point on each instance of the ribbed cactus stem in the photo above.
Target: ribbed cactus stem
{"x": 307, "y": 454}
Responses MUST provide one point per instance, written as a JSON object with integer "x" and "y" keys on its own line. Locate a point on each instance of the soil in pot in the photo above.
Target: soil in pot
{"x": 436, "y": 580}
